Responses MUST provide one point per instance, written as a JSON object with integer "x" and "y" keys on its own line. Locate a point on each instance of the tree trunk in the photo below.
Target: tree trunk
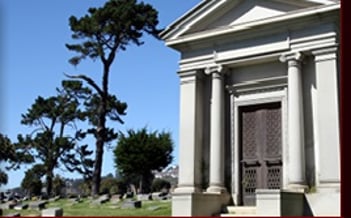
{"x": 140, "y": 191}
{"x": 101, "y": 132}
{"x": 49, "y": 178}
{"x": 100, "y": 141}
{"x": 98, "y": 166}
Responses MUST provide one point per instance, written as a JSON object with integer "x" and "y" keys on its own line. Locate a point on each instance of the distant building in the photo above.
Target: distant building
{"x": 169, "y": 172}
{"x": 259, "y": 107}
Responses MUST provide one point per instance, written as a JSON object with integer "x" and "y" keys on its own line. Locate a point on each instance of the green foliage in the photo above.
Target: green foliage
{"x": 139, "y": 153}
{"x": 110, "y": 185}
{"x": 48, "y": 142}
{"x": 9, "y": 155}
{"x": 78, "y": 160}
{"x": 58, "y": 183}
{"x": 32, "y": 180}
{"x": 114, "y": 109}
{"x": 7, "y": 151}
{"x": 85, "y": 188}
{"x": 3, "y": 177}
{"x": 106, "y": 29}
{"x": 160, "y": 184}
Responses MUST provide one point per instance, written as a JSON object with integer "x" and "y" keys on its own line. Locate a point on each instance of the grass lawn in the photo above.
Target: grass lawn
{"x": 85, "y": 208}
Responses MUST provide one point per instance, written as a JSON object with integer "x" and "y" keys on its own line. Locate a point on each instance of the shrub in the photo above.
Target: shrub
{"x": 160, "y": 185}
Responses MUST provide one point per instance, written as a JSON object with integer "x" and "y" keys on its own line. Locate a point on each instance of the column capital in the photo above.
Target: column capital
{"x": 291, "y": 56}
{"x": 325, "y": 54}
{"x": 188, "y": 73}
{"x": 218, "y": 69}
{"x": 190, "y": 76}
{"x": 327, "y": 50}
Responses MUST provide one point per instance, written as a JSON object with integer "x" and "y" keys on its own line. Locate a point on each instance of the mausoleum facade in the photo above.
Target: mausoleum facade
{"x": 259, "y": 107}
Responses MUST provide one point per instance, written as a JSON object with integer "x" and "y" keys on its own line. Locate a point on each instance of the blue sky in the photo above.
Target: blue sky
{"x": 33, "y": 59}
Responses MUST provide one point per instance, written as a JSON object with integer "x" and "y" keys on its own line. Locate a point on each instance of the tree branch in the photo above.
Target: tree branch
{"x": 34, "y": 131}
{"x": 42, "y": 124}
{"x": 88, "y": 80}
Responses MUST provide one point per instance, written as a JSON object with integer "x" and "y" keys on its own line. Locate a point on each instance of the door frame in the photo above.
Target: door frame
{"x": 238, "y": 101}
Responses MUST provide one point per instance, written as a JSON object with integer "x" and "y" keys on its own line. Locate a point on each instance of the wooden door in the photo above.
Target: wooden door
{"x": 261, "y": 146}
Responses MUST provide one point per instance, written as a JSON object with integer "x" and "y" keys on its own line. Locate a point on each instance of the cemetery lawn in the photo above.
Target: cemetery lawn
{"x": 86, "y": 208}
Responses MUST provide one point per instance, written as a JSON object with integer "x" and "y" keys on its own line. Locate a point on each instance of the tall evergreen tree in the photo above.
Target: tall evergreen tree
{"x": 49, "y": 142}
{"x": 101, "y": 34}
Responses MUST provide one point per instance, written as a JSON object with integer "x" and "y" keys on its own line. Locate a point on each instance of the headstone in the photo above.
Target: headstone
{"x": 153, "y": 208}
{"x": 156, "y": 195}
{"x": 56, "y": 198}
{"x": 11, "y": 204}
{"x": 21, "y": 206}
{"x": 4, "y": 206}
{"x": 102, "y": 199}
{"x": 143, "y": 197}
{"x": 116, "y": 196}
{"x": 13, "y": 215}
{"x": 38, "y": 205}
{"x": 54, "y": 212}
{"x": 115, "y": 200}
{"x": 161, "y": 196}
{"x": 129, "y": 195}
{"x": 131, "y": 204}
{"x": 75, "y": 200}
{"x": 167, "y": 196}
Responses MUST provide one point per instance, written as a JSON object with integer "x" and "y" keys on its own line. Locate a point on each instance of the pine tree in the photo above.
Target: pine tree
{"x": 101, "y": 34}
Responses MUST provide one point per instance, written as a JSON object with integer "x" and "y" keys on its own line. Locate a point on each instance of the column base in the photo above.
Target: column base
{"x": 330, "y": 187}
{"x": 198, "y": 204}
{"x": 216, "y": 189}
{"x": 297, "y": 187}
{"x": 187, "y": 189}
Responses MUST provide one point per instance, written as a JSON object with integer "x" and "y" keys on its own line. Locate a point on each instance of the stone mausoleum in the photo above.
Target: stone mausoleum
{"x": 259, "y": 108}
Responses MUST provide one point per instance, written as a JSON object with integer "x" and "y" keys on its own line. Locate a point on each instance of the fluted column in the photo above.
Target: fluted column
{"x": 217, "y": 131}
{"x": 296, "y": 154}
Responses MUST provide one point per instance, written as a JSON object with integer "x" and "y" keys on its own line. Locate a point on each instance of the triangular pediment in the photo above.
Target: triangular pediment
{"x": 214, "y": 14}
{"x": 248, "y": 11}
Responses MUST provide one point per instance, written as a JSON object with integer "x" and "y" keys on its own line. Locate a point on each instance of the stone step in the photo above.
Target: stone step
{"x": 240, "y": 211}
{"x": 320, "y": 203}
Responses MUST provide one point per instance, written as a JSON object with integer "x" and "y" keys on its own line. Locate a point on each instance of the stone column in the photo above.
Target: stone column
{"x": 217, "y": 131}
{"x": 296, "y": 154}
{"x": 328, "y": 147}
{"x": 190, "y": 132}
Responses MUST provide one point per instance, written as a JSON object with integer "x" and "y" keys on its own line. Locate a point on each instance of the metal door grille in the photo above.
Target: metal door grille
{"x": 261, "y": 146}
{"x": 274, "y": 177}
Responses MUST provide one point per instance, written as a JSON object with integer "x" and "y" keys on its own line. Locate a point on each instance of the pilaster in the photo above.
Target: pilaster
{"x": 328, "y": 147}
{"x": 190, "y": 134}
